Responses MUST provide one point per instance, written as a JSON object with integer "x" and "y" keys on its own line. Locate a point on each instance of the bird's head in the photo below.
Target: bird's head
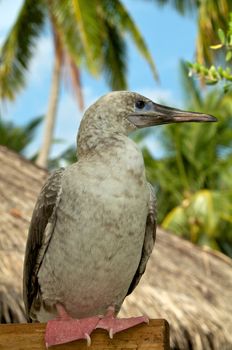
{"x": 127, "y": 111}
{"x": 124, "y": 111}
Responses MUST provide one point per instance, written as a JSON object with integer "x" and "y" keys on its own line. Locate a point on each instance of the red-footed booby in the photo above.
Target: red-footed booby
{"x": 94, "y": 223}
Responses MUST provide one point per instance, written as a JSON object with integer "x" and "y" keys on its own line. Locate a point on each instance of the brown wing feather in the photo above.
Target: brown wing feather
{"x": 149, "y": 241}
{"x": 44, "y": 214}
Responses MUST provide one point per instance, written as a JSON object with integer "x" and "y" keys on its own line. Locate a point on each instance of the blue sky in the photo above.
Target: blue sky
{"x": 169, "y": 36}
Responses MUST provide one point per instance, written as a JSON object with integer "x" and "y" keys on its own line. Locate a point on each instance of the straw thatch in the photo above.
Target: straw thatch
{"x": 188, "y": 286}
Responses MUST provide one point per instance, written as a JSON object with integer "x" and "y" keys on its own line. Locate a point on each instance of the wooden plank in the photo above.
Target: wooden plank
{"x": 154, "y": 336}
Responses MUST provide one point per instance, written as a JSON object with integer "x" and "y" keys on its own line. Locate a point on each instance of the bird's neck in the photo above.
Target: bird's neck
{"x": 95, "y": 141}
{"x": 113, "y": 151}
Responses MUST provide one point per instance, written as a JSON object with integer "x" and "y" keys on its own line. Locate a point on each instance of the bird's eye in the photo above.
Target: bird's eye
{"x": 140, "y": 104}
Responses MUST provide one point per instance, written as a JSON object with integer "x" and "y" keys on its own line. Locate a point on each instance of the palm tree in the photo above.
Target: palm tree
{"x": 211, "y": 15}
{"x": 84, "y": 35}
{"x": 193, "y": 178}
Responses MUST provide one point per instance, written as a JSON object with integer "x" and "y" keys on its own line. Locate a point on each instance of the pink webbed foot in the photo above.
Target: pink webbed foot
{"x": 114, "y": 325}
{"x": 65, "y": 329}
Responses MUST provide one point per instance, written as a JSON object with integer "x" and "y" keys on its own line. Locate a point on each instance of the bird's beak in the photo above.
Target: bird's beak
{"x": 158, "y": 115}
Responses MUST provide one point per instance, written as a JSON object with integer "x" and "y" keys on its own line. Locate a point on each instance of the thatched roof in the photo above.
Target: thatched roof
{"x": 20, "y": 182}
{"x": 188, "y": 286}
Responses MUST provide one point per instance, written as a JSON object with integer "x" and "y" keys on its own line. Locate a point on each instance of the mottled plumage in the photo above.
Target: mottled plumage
{"x": 93, "y": 226}
{"x": 103, "y": 209}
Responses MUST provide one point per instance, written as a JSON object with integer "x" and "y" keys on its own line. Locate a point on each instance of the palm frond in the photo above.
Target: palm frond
{"x": 75, "y": 76}
{"x": 89, "y": 29}
{"x": 202, "y": 155}
{"x": 80, "y": 30}
{"x": 17, "y": 137}
{"x": 191, "y": 90}
{"x": 212, "y": 15}
{"x": 66, "y": 60}
{"x": 181, "y": 6}
{"x": 32, "y": 125}
{"x": 17, "y": 50}
{"x": 65, "y": 24}
{"x": 94, "y": 36}
{"x": 128, "y": 25}
{"x": 114, "y": 58}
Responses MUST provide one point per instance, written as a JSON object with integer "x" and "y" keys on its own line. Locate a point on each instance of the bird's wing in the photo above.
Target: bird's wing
{"x": 149, "y": 240}
{"x": 40, "y": 232}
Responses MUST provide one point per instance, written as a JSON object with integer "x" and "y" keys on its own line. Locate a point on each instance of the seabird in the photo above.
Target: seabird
{"x": 93, "y": 226}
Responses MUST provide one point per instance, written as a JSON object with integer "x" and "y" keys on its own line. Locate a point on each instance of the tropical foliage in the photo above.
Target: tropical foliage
{"x": 18, "y": 138}
{"x": 213, "y": 75}
{"x": 84, "y": 36}
{"x": 193, "y": 176}
{"x": 210, "y": 15}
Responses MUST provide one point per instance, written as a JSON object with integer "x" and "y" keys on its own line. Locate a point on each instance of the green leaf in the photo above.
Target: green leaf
{"x": 216, "y": 47}
{"x": 222, "y": 36}
{"x": 227, "y": 88}
{"x": 18, "y": 137}
{"x": 228, "y": 56}
{"x": 86, "y": 21}
{"x": 114, "y": 66}
{"x": 128, "y": 25}
{"x": 18, "y": 48}
{"x": 95, "y": 36}
{"x": 196, "y": 211}
{"x": 211, "y": 82}
{"x": 175, "y": 220}
{"x": 80, "y": 30}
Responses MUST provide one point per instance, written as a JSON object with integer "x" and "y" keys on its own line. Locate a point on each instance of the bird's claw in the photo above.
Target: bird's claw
{"x": 111, "y": 333}
{"x": 87, "y": 337}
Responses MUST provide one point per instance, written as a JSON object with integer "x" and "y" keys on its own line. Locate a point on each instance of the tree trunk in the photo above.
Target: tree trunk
{"x": 50, "y": 117}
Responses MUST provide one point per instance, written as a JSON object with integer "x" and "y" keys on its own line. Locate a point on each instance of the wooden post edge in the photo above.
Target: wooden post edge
{"x": 152, "y": 336}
